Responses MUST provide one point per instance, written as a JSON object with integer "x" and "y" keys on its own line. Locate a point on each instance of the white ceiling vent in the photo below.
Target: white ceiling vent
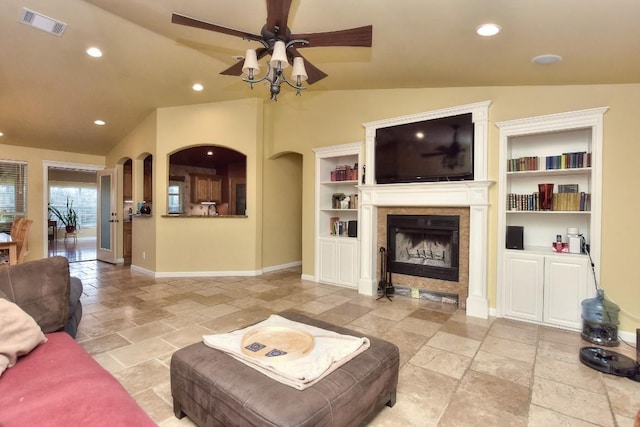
{"x": 41, "y": 22}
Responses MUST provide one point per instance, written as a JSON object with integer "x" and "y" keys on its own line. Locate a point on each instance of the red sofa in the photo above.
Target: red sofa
{"x": 57, "y": 383}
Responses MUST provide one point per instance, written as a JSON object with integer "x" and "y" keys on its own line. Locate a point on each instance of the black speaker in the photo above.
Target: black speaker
{"x": 515, "y": 239}
{"x": 352, "y": 229}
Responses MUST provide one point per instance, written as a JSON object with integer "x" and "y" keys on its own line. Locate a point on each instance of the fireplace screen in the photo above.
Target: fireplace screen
{"x": 424, "y": 245}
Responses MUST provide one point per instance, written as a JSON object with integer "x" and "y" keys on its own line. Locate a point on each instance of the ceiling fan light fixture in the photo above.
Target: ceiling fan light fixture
{"x": 250, "y": 63}
{"x": 299, "y": 72}
{"x": 279, "y": 56}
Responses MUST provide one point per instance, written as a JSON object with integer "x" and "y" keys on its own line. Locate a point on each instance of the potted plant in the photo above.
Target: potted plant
{"x": 69, "y": 218}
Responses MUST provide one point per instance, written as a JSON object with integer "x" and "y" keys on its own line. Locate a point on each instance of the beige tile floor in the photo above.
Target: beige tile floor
{"x": 455, "y": 370}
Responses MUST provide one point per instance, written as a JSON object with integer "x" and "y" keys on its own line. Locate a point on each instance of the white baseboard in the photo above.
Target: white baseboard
{"x": 249, "y": 273}
{"x": 281, "y": 266}
{"x": 308, "y": 277}
{"x": 141, "y": 270}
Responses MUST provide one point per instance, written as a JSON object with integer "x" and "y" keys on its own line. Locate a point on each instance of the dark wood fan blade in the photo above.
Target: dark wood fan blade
{"x": 359, "y": 37}
{"x": 314, "y": 74}
{"x": 176, "y": 18}
{"x": 278, "y": 16}
{"x": 236, "y": 69}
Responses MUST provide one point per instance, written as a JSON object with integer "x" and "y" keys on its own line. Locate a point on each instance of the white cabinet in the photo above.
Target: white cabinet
{"x": 336, "y": 214}
{"x": 338, "y": 261}
{"x": 566, "y": 285}
{"x": 564, "y": 150}
{"x": 524, "y": 274}
{"x": 545, "y": 288}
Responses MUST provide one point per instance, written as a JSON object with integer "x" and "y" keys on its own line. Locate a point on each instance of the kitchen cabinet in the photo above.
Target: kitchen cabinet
{"x": 127, "y": 236}
{"x": 127, "y": 181}
{"x": 206, "y": 188}
{"x": 147, "y": 186}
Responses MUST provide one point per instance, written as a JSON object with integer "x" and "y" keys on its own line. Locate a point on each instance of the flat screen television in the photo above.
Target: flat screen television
{"x": 431, "y": 150}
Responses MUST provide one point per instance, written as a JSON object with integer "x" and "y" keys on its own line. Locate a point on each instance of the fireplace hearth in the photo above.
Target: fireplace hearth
{"x": 424, "y": 245}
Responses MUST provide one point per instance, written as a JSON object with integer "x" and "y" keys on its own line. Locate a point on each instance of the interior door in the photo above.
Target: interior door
{"x": 107, "y": 216}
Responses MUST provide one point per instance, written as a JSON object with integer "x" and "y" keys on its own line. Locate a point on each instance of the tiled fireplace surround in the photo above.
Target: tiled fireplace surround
{"x": 468, "y": 199}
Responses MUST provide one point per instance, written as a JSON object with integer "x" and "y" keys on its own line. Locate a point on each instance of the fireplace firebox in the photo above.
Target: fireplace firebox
{"x": 424, "y": 245}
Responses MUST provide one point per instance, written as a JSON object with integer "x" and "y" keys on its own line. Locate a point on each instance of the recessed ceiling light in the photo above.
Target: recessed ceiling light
{"x": 487, "y": 30}
{"x": 1, "y": 133}
{"x": 419, "y": 135}
{"x": 546, "y": 59}
{"x": 209, "y": 153}
{"x": 95, "y": 52}
{"x": 197, "y": 87}
{"x": 100, "y": 122}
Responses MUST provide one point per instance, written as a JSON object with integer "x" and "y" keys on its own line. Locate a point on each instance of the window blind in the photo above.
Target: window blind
{"x": 13, "y": 192}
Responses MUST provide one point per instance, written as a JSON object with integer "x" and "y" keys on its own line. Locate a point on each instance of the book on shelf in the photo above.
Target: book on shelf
{"x": 337, "y": 227}
{"x": 345, "y": 173}
{"x": 577, "y": 159}
{"x": 561, "y": 202}
{"x": 567, "y": 188}
{"x": 572, "y": 201}
{"x": 332, "y": 224}
{"x": 344, "y": 201}
{"x": 523, "y": 164}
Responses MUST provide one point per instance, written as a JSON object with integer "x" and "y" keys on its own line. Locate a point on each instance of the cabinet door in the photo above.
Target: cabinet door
{"x": 327, "y": 271}
{"x": 565, "y": 287}
{"x": 215, "y": 186}
{"x": 199, "y": 189}
{"x": 524, "y": 275}
{"x": 127, "y": 240}
{"x": 347, "y": 262}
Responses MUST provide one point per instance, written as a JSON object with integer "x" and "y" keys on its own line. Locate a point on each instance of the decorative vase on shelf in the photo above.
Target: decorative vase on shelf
{"x": 546, "y": 196}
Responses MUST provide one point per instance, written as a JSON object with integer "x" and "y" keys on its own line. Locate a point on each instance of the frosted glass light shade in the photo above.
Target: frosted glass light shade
{"x": 298, "y": 69}
{"x": 250, "y": 62}
{"x": 279, "y": 56}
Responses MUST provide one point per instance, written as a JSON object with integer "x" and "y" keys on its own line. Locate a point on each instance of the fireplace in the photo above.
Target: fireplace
{"x": 424, "y": 245}
{"x": 472, "y": 196}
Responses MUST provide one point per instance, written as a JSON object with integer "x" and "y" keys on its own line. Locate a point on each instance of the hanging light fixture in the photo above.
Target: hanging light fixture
{"x": 276, "y": 65}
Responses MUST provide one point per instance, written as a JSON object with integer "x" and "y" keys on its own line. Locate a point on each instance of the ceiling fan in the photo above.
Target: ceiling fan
{"x": 276, "y": 30}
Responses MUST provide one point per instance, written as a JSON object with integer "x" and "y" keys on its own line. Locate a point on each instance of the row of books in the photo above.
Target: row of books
{"x": 345, "y": 173}
{"x": 344, "y": 201}
{"x": 581, "y": 159}
{"x": 530, "y": 163}
{"x": 561, "y": 202}
{"x": 337, "y": 227}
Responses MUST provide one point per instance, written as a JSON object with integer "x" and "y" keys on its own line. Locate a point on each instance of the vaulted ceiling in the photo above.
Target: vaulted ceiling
{"x": 51, "y": 91}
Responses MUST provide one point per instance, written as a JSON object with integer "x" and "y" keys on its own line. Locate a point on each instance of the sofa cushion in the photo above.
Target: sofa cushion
{"x": 19, "y": 334}
{"x": 59, "y": 384}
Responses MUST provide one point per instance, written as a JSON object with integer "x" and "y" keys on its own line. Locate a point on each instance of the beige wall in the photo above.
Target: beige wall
{"x": 37, "y": 194}
{"x": 210, "y": 244}
{"x": 298, "y": 124}
{"x": 136, "y": 146}
{"x": 282, "y": 213}
{"x": 326, "y": 118}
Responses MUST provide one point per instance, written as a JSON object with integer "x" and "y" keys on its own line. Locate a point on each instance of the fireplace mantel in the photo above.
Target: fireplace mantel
{"x": 473, "y": 194}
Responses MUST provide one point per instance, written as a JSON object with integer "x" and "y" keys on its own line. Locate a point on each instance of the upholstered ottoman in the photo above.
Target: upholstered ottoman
{"x": 214, "y": 389}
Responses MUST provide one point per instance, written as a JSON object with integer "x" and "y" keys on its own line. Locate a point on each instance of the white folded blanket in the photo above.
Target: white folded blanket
{"x": 330, "y": 351}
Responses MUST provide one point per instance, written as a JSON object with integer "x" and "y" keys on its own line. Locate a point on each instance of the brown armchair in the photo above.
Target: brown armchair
{"x": 45, "y": 290}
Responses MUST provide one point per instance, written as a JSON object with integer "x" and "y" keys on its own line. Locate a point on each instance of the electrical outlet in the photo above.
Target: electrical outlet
{"x": 144, "y": 255}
